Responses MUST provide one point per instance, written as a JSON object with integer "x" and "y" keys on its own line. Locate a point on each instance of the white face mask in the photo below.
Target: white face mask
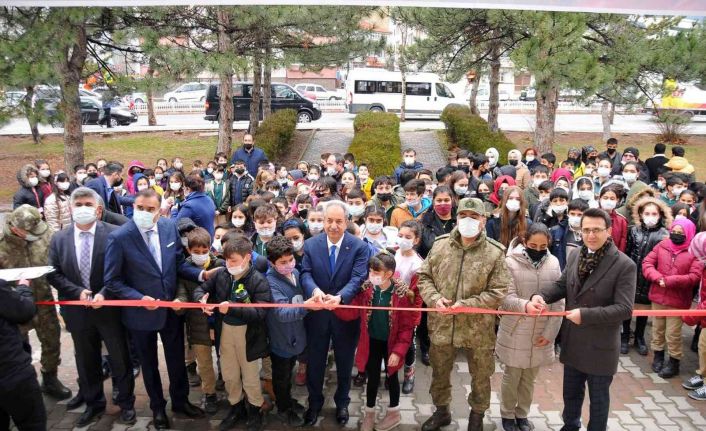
{"x": 608, "y": 204}
{"x": 677, "y": 191}
{"x": 237, "y": 271}
{"x": 209, "y": 170}
{"x": 558, "y": 209}
{"x": 199, "y": 259}
{"x": 331, "y": 171}
{"x": 316, "y": 227}
{"x": 588, "y": 171}
{"x": 238, "y": 222}
{"x": 217, "y": 245}
{"x": 650, "y": 221}
{"x": 630, "y": 177}
{"x": 461, "y": 191}
{"x": 313, "y": 177}
{"x": 586, "y": 195}
{"x": 512, "y": 205}
{"x": 152, "y": 182}
{"x": 142, "y": 187}
{"x": 373, "y": 228}
{"x": 83, "y": 215}
{"x": 266, "y": 232}
{"x": 537, "y": 182}
{"x": 468, "y": 227}
{"x": 44, "y": 173}
{"x": 492, "y": 161}
{"x": 529, "y": 158}
{"x": 298, "y": 245}
{"x": 63, "y": 186}
{"x": 405, "y": 244}
{"x": 175, "y": 186}
{"x": 178, "y": 165}
{"x": 575, "y": 221}
{"x": 81, "y": 177}
{"x": 158, "y": 177}
{"x": 218, "y": 176}
{"x": 356, "y": 210}
{"x": 375, "y": 280}
{"x": 413, "y": 203}
{"x": 184, "y": 241}
{"x": 143, "y": 219}
{"x": 409, "y": 161}
{"x": 33, "y": 181}
{"x": 603, "y": 172}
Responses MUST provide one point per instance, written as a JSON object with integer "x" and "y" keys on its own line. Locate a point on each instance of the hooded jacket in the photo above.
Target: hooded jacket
{"x": 641, "y": 240}
{"x": 495, "y": 197}
{"x": 403, "y": 213}
{"x": 697, "y": 248}
{"x": 27, "y": 194}
{"x": 131, "y": 187}
{"x": 285, "y": 326}
{"x": 638, "y": 191}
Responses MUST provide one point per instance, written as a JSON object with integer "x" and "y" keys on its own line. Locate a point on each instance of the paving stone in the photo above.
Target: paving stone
{"x": 648, "y": 403}
{"x": 682, "y": 403}
{"x": 696, "y": 418}
{"x": 658, "y": 396}
{"x": 625, "y": 417}
{"x": 662, "y": 418}
{"x": 554, "y": 417}
{"x": 615, "y": 425}
{"x": 637, "y": 410}
{"x": 327, "y": 141}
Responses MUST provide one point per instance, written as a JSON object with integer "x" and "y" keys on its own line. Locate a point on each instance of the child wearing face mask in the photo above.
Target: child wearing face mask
{"x": 240, "y": 219}
{"x": 315, "y": 220}
{"x": 285, "y": 326}
{"x": 573, "y": 241}
{"x": 385, "y": 336}
{"x": 219, "y": 192}
{"x": 673, "y": 273}
{"x": 372, "y": 231}
{"x": 243, "y": 333}
{"x": 198, "y": 331}
{"x": 265, "y": 218}
{"x": 608, "y": 200}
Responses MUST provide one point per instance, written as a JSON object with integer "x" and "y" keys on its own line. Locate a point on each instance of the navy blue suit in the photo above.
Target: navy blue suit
{"x": 131, "y": 273}
{"x": 323, "y": 326}
{"x": 199, "y": 208}
{"x": 112, "y": 201}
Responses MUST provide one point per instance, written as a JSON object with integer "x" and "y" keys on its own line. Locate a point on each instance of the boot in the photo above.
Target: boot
{"x": 368, "y": 422}
{"x": 194, "y": 378}
{"x": 658, "y": 361}
{"x": 211, "y": 404}
{"x": 670, "y": 369}
{"x": 236, "y": 414}
{"x": 624, "y": 343}
{"x": 391, "y": 420}
{"x": 475, "y": 421}
{"x": 641, "y": 345}
{"x": 53, "y": 387}
{"x": 640, "y": 324}
{"x": 254, "y": 422}
{"x": 440, "y": 418}
{"x": 408, "y": 383}
{"x": 509, "y": 425}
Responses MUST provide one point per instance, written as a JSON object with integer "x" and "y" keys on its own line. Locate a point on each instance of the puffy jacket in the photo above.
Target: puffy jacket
{"x": 403, "y": 167}
{"x": 130, "y": 183}
{"x": 697, "y": 320}
{"x": 433, "y": 227}
{"x": 200, "y": 208}
{"x": 445, "y": 274}
{"x": 240, "y": 189}
{"x": 403, "y": 213}
{"x": 27, "y": 194}
{"x": 285, "y": 326}
{"x": 638, "y": 191}
{"x": 197, "y": 328}
{"x": 17, "y": 308}
{"x": 517, "y": 334}
{"x": 642, "y": 240}
{"x": 57, "y": 212}
{"x": 402, "y": 323}
{"x": 619, "y": 229}
{"x": 681, "y": 272}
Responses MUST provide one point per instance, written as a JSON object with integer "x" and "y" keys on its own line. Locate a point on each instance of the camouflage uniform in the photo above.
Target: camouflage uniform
{"x": 16, "y": 252}
{"x": 472, "y": 276}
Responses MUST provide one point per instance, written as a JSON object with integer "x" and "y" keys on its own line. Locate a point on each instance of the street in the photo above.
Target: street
{"x": 335, "y": 120}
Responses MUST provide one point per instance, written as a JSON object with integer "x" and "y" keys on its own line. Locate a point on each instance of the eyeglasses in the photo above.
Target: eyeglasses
{"x": 593, "y": 231}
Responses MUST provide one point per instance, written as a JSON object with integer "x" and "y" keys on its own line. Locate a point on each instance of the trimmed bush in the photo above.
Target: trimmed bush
{"x": 275, "y": 133}
{"x": 470, "y": 132}
{"x": 377, "y": 141}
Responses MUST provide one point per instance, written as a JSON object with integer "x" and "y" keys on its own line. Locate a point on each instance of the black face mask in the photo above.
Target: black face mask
{"x": 93, "y": 175}
{"x": 611, "y": 151}
{"x": 677, "y": 238}
{"x": 512, "y": 162}
{"x": 483, "y": 196}
{"x": 464, "y": 168}
{"x": 535, "y": 255}
{"x": 240, "y": 171}
{"x": 303, "y": 212}
{"x": 385, "y": 196}
{"x": 248, "y": 146}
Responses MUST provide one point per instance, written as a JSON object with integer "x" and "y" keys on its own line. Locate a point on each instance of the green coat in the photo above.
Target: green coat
{"x": 473, "y": 276}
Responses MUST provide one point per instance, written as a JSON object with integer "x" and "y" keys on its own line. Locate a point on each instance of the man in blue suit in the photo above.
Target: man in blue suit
{"x": 103, "y": 185}
{"x": 334, "y": 266}
{"x": 142, "y": 261}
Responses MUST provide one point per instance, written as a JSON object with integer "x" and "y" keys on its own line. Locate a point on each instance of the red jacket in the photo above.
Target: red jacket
{"x": 681, "y": 272}
{"x": 402, "y": 323}
{"x": 696, "y": 320}
{"x": 620, "y": 230}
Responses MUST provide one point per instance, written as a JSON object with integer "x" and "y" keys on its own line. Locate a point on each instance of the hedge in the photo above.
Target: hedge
{"x": 275, "y": 133}
{"x": 470, "y": 132}
{"x": 376, "y": 141}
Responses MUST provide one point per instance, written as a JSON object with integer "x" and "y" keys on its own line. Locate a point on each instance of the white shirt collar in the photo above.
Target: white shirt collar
{"x": 338, "y": 244}
{"x": 92, "y": 230}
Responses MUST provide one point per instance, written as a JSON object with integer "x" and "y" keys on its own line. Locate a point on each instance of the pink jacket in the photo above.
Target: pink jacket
{"x": 681, "y": 272}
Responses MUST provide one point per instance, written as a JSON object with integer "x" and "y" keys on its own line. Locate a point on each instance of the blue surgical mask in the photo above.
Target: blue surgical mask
{"x": 143, "y": 219}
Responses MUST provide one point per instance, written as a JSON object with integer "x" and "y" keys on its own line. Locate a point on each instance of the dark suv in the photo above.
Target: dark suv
{"x": 283, "y": 97}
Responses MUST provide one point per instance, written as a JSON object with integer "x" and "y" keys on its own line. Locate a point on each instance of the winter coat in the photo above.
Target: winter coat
{"x": 200, "y": 208}
{"x": 225, "y": 195}
{"x": 403, "y": 167}
{"x": 130, "y": 183}
{"x": 57, "y": 212}
{"x": 557, "y": 247}
{"x": 402, "y": 323}
{"x": 219, "y": 289}
{"x": 394, "y": 202}
{"x": 17, "y": 307}
{"x": 523, "y": 179}
{"x": 432, "y": 227}
{"x": 240, "y": 189}
{"x": 681, "y": 272}
{"x": 493, "y": 227}
{"x": 198, "y": 331}
{"x": 285, "y": 326}
{"x": 638, "y": 191}
{"x": 619, "y": 230}
{"x": 251, "y": 158}
{"x": 445, "y": 274}
{"x": 642, "y": 240}
{"x": 698, "y": 320}
{"x": 402, "y": 213}
{"x": 27, "y": 194}
{"x": 517, "y": 334}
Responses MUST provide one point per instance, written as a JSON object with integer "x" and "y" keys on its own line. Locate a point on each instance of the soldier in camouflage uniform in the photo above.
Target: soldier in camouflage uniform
{"x": 463, "y": 269}
{"x": 24, "y": 242}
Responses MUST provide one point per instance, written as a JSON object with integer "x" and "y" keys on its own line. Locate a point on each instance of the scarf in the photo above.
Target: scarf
{"x": 590, "y": 261}
{"x": 689, "y": 233}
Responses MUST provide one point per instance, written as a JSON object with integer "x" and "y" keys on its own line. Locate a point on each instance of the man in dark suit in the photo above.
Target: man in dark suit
{"x": 599, "y": 286}
{"x": 103, "y": 185}
{"x": 334, "y": 266}
{"x": 655, "y": 164}
{"x": 142, "y": 261}
{"x": 77, "y": 255}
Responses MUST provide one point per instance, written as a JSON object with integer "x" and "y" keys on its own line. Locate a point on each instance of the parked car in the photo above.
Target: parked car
{"x": 484, "y": 94}
{"x": 317, "y": 92}
{"x": 12, "y": 98}
{"x": 528, "y": 95}
{"x": 192, "y": 91}
{"x": 92, "y": 112}
{"x": 283, "y": 97}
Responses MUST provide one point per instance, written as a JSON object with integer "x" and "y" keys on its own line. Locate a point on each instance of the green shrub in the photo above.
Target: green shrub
{"x": 275, "y": 133}
{"x": 377, "y": 141}
{"x": 470, "y": 132}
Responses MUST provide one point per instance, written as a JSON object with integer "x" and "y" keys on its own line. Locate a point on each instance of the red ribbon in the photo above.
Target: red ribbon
{"x": 457, "y": 310}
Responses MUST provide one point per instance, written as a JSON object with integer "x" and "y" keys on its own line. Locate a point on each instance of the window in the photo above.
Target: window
{"x": 282, "y": 92}
{"x": 390, "y": 87}
{"x": 443, "y": 91}
{"x": 320, "y": 89}
{"x": 419, "y": 89}
{"x": 365, "y": 87}
{"x": 309, "y": 88}
{"x": 238, "y": 90}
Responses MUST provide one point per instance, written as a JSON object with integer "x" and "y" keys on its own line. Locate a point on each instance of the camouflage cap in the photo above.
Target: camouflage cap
{"x": 471, "y": 204}
{"x": 27, "y": 218}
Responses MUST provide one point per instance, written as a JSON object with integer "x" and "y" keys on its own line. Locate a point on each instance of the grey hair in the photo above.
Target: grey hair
{"x": 335, "y": 203}
{"x": 85, "y": 192}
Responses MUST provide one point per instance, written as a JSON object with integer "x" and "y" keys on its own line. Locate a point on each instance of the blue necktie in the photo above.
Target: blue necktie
{"x": 332, "y": 259}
